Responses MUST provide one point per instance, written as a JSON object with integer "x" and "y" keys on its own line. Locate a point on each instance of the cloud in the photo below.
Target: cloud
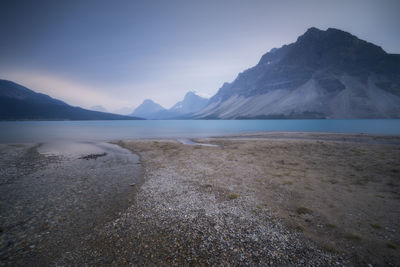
{"x": 165, "y": 81}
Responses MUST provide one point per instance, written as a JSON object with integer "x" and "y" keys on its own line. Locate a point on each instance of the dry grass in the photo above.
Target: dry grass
{"x": 375, "y": 226}
{"x": 353, "y": 236}
{"x": 233, "y": 196}
{"x": 329, "y": 248}
{"x": 391, "y": 245}
{"x": 303, "y": 210}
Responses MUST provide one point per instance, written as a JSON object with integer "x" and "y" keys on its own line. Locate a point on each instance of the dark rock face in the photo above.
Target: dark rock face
{"x": 324, "y": 64}
{"x": 20, "y": 103}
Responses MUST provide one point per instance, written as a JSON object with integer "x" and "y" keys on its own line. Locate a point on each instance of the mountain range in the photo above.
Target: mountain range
{"x": 328, "y": 74}
{"x": 184, "y": 109}
{"x": 20, "y": 103}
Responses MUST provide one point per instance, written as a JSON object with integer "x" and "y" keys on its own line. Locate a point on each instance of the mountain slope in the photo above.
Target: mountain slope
{"x": 324, "y": 74}
{"x": 20, "y": 103}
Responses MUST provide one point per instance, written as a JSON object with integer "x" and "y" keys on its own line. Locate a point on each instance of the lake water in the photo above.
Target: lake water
{"x": 47, "y": 131}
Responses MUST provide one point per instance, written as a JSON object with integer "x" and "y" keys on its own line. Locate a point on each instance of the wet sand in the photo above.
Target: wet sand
{"x": 262, "y": 199}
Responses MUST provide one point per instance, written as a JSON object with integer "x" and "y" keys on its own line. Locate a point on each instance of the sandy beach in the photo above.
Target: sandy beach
{"x": 303, "y": 199}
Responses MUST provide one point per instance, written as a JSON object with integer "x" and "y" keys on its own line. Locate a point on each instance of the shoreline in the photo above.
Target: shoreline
{"x": 318, "y": 136}
{"x": 256, "y": 200}
{"x": 311, "y": 135}
{"x": 97, "y": 131}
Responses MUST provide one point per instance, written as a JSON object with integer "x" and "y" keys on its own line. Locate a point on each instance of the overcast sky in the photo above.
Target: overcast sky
{"x": 118, "y": 53}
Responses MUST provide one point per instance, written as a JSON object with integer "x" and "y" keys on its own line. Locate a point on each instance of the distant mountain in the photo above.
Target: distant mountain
{"x": 98, "y": 108}
{"x": 148, "y": 109}
{"x": 20, "y": 103}
{"x": 324, "y": 74}
{"x": 191, "y": 103}
{"x": 184, "y": 109}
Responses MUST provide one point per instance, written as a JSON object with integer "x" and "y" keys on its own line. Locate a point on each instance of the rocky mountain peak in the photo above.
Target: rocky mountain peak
{"x": 316, "y": 76}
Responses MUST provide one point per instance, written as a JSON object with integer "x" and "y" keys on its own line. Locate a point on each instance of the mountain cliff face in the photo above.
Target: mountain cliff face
{"x": 324, "y": 74}
{"x": 20, "y": 103}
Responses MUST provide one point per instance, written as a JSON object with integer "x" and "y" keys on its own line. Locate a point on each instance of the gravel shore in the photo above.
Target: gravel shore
{"x": 305, "y": 200}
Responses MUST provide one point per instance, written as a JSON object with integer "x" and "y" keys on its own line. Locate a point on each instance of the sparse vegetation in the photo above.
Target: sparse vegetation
{"x": 355, "y": 167}
{"x": 303, "y": 210}
{"x": 330, "y": 225}
{"x": 391, "y": 245}
{"x": 93, "y": 156}
{"x": 329, "y": 248}
{"x": 353, "y": 236}
{"x": 300, "y": 228}
{"x": 233, "y": 196}
{"x": 375, "y": 226}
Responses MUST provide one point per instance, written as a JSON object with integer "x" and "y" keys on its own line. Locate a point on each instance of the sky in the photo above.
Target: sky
{"x": 117, "y": 53}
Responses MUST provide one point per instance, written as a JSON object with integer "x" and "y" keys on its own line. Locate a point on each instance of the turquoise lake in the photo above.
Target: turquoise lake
{"x": 47, "y": 131}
